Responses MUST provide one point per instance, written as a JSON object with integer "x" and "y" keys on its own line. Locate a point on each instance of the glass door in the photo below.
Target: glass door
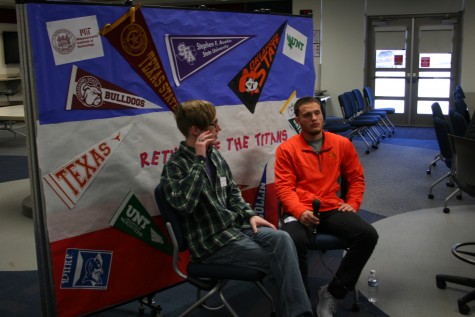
{"x": 413, "y": 62}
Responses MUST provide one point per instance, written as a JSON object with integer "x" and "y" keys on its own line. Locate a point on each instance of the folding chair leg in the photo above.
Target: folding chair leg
{"x": 200, "y": 302}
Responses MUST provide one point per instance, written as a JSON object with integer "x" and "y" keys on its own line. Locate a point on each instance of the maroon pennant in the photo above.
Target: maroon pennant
{"x": 131, "y": 37}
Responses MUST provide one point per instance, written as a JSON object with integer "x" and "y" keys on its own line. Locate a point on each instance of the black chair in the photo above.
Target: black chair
{"x": 459, "y": 93}
{"x": 460, "y": 252}
{"x": 437, "y": 113}
{"x": 370, "y": 103}
{"x": 463, "y": 151}
{"x": 207, "y": 277}
{"x": 442, "y": 131}
{"x": 461, "y": 107}
{"x": 464, "y": 156}
{"x": 459, "y": 124}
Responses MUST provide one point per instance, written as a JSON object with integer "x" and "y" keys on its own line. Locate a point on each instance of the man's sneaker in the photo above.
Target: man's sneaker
{"x": 327, "y": 304}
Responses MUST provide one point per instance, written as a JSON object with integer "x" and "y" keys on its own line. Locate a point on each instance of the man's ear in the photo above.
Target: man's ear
{"x": 195, "y": 131}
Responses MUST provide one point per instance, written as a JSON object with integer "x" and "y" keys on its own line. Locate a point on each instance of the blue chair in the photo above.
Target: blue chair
{"x": 360, "y": 126}
{"x": 461, "y": 107}
{"x": 363, "y": 111}
{"x": 370, "y": 103}
{"x": 459, "y": 124}
{"x": 436, "y": 113}
{"x": 207, "y": 277}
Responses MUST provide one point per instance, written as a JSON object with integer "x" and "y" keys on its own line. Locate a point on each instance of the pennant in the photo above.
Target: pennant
{"x": 131, "y": 37}
{"x": 189, "y": 54}
{"x": 260, "y": 202}
{"x": 249, "y": 81}
{"x": 295, "y": 45}
{"x": 71, "y": 180}
{"x": 133, "y": 219}
{"x": 287, "y": 111}
{"x": 90, "y": 92}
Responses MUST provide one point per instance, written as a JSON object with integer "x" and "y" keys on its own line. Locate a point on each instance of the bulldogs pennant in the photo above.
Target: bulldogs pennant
{"x": 131, "y": 37}
{"x": 90, "y": 92}
{"x": 249, "y": 82}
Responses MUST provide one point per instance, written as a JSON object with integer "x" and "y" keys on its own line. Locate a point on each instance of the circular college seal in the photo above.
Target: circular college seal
{"x": 134, "y": 39}
{"x": 89, "y": 91}
{"x": 63, "y": 41}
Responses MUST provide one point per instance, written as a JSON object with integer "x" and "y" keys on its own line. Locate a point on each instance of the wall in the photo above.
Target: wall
{"x": 342, "y": 23}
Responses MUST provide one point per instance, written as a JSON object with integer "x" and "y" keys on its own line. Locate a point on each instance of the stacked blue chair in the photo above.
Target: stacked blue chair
{"x": 436, "y": 113}
{"x": 363, "y": 110}
{"x": 370, "y": 102}
{"x": 359, "y": 126}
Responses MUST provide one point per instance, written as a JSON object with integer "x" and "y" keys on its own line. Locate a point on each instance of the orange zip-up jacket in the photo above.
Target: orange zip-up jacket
{"x": 302, "y": 175}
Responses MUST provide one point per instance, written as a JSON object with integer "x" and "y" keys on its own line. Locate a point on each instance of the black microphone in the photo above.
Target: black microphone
{"x": 316, "y": 212}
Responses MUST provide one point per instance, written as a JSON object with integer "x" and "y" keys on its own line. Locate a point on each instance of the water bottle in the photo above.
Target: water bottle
{"x": 373, "y": 284}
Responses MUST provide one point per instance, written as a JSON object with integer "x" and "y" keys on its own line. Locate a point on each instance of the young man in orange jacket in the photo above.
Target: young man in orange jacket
{"x": 308, "y": 166}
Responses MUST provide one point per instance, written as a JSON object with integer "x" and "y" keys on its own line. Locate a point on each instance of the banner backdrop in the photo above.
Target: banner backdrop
{"x": 108, "y": 79}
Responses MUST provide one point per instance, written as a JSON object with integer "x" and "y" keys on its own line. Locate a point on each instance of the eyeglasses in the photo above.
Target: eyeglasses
{"x": 214, "y": 124}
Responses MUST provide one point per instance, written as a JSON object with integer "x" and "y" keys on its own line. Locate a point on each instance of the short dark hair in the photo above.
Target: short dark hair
{"x": 305, "y": 100}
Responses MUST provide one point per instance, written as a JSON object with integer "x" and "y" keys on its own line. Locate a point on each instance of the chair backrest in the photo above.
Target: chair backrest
{"x": 461, "y": 107}
{"x": 351, "y": 98}
{"x": 459, "y": 124}
{"x": 458, "y": 93}
{"x": 437, "y": 111}
{"x": 359, "y": 99}
{"x": 442, "y": 131}
{"x": 464, "y": 153}
{"x": 346, "y": 106}
{"x": 369, "y": 96}
{"x": 171, "y": 216}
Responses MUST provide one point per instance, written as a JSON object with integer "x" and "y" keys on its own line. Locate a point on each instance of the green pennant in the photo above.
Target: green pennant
{"x": 132, "y": 218}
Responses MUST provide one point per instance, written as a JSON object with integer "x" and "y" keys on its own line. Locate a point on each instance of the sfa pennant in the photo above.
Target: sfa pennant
{"x": 90, "y": 92}
{"x": 86, "y": 269}
{"x": 133, "y": 219}
{"x": 189, "y": 54}
{"x": 249, "y": 82}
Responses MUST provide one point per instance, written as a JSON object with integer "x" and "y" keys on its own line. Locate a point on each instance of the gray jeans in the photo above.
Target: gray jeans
{"x": 273, "y": 252}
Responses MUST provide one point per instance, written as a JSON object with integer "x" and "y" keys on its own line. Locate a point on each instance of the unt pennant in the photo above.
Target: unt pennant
{"x": 260, "y": 202}
{"x": 249, "y": 81}
{"x": 131, "y": 37}
{"x": 189, "y": 54}
{"x": 90, "y": 92}
{"x": 71, "y": 180}
{"x": 133, "y": 219}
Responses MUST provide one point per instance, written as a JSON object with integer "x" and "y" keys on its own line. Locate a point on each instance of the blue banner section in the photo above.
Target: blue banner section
{"x": 66, "y": 37}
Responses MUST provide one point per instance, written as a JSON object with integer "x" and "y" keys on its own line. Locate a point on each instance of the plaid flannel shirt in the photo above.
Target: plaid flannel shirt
{"x": 211, "y": 216}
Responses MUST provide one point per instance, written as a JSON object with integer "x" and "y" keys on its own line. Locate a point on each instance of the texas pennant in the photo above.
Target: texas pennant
{"x": 131, "y": 37}
{"x": 260, "y": 202}
{"x": 71, "y": 180}
{"x": 133, "y": 219}
{"x": 249, "y": 82}
{"x": 189, "y": 54}
{"x": 90, "y": 92}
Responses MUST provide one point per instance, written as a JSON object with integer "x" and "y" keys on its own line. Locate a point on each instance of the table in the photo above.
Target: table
{"x": 9, "y": 115}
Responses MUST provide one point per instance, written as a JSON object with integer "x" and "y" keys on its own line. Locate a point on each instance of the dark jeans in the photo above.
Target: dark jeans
{"x": 347, "y": 225}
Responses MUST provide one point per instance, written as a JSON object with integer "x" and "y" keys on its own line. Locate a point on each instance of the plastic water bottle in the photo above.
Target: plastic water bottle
{"x": 373, "y": 284}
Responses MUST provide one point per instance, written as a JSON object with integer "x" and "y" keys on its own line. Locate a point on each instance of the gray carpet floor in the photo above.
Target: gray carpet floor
{"x": 415, "y": 238}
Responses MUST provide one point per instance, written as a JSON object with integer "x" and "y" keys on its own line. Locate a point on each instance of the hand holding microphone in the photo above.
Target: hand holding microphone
{"x": 316, "y": 212}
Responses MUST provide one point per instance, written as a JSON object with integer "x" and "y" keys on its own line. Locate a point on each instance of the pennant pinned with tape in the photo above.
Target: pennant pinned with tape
{"x": 250, "y": 80}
